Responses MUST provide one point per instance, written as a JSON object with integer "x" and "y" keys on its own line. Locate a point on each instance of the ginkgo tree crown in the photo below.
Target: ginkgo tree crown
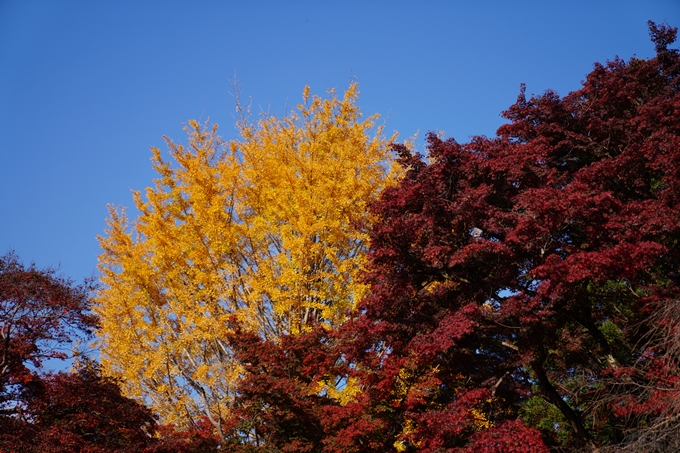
{"x": 268, "y": 228}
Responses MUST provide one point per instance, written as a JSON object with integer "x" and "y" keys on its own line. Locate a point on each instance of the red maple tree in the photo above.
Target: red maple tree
{"x": 81, "y": 411}
{"x": 513, "y": 278}
{"x": 524, "y": 289}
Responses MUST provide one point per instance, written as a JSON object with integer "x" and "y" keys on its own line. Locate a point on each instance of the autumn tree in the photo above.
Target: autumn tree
{"x": 86, "y": 412}
{"x": 528, "y": 283}
{"x": 74, "y": 412}
{"x": 41, "y": 316}
{"x": 269, "y": 228}
{"x": 281, "y": 402}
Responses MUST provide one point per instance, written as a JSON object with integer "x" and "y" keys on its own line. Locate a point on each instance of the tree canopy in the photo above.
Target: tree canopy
{"x": 523, "y": 290}
{"x": 80, "y": 411}
{"x": 270, "y": 228}
{"x": 515, "y": 293}
{"x": 40, "y": 314}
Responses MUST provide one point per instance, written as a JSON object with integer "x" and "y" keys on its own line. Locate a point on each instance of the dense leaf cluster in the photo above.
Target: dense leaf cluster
{"x": 271, "y": 228}
{"x": 523, "y": 295}
{"x": 523, "y": 290}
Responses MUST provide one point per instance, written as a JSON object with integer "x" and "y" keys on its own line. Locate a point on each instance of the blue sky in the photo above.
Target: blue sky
{"x": 86, "y": 88}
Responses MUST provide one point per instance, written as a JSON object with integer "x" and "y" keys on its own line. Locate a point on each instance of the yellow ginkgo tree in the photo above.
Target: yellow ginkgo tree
{"x": 269, "y": 229}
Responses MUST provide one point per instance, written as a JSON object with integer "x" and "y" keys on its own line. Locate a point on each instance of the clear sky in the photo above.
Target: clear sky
{"x": 86, "y": 88}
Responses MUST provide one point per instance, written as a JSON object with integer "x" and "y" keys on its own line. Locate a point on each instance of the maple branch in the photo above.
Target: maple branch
{"x": 498, "y": 383}
{"x": 556, "y": 399}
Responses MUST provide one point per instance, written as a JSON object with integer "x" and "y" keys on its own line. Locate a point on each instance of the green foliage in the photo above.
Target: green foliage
{"x": 540, "y": 414}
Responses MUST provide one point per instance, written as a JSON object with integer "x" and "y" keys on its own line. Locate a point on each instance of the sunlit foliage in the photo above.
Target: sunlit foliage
{"x": 269, "y": 228}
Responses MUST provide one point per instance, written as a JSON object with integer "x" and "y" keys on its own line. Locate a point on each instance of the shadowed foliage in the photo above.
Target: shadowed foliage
{"x": 81, "y": 411}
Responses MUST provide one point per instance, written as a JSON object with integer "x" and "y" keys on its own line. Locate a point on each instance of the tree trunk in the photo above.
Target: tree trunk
{"x": 554, "y": 397}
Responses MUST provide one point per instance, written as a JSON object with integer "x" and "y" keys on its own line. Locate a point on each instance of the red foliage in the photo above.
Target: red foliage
{"x": 521, "y": 289}
{"x": 200, "y": 439}
{"x": 527, "y": 265}
{"x": 91, "y": 406}
{"x": 39, "y": 313}
{"x": 80, "y": 411}
{"x": 65, "y": 412}
{"x": 510, "y": 437}
{"x": 279, "y": 406}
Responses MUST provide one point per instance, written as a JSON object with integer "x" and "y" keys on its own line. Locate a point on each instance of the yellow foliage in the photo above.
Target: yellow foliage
{"x": 268, "y": 228}
{"x": 409, "y": 427}
{"x": 479, "y": 419}
{"x": 343, "y": 394}
{"x": 417, "y": 385}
